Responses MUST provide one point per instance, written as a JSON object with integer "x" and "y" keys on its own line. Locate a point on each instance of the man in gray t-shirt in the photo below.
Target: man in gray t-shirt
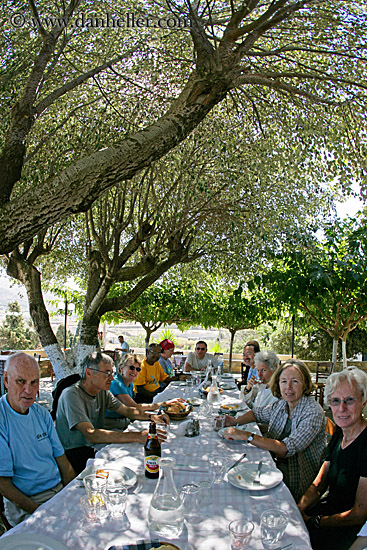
{"x": 81, "y": 411}
{"x": 199, "y": 360}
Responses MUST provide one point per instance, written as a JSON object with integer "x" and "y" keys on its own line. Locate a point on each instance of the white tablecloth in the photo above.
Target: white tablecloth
{"x": 63, "y": 518}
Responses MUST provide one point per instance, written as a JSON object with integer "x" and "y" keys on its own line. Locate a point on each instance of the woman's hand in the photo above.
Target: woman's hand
{"x": 232, "y": 434}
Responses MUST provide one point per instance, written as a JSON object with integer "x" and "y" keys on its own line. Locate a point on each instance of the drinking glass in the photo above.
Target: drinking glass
{"x": 116, "y": 498}
{"x": 273, "y": 524}
{"x": 239, "y": 532}
{"x": 206, "y": 493}
{"x": 95, "y": 487}
{"x": 219, "y": 422}
{"x": 190, "y": 495}
{"x": 217, "y": 468}
{"x": 95, "y": 510}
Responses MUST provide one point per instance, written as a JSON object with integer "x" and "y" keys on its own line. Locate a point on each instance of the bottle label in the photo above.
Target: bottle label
{"x": 151, "y": 464}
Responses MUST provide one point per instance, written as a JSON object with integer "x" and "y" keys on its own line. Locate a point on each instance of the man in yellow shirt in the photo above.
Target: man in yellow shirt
{"x": 151, "y": 379}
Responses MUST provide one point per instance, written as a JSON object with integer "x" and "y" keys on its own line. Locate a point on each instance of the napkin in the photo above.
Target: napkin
{"x": 181, "y": 428}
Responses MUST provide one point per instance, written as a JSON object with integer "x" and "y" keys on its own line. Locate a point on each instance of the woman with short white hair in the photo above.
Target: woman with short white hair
{"x": 335, "y": 519}
{"x": 257, "y": 392}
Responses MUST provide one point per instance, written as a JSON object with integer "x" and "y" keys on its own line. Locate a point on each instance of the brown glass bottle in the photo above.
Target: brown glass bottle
{"x": 152, "y": 450}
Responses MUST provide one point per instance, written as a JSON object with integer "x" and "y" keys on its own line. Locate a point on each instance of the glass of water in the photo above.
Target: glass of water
{"x": 273, "y": 525}
{"x": 116, "y": 497}
{"x": 240, "y": 531}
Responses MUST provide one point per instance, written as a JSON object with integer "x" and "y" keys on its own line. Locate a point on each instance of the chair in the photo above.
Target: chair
{"x": 330, "y": 426}
{"x": 323, "y": 371}
{"x": 244, "y": 374}
{"x": 37, "y": 357}
{"x": 60, "y": 386}
{"x": 3, "y": 516}
{"x": 2, "y": 387}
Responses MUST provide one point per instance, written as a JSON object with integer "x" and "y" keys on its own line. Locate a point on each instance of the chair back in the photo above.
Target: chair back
{"x": 330, "y": 426}
{"x": 323, "y": 371}
{"x": 60, "y": 386}
{"x": 244, "y": 372}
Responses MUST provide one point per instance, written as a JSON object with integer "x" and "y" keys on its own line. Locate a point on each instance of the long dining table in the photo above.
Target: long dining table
{"x": 63, "y": 518}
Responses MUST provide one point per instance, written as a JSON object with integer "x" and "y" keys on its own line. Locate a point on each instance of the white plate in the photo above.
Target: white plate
{"x": 228, "y": 386}
{"x": 178, "y": 383}
{"x": 226, "y": 375}
{"x": 30, "y": 541}
{"x": 195, "y": 401}
{"x": 116, "y": 473}
{"x": 234, "y": 407}
{"x": 243, "y": 476}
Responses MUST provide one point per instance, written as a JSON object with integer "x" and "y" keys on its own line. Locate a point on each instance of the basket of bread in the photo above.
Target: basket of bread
{"x": 178, "y": 411}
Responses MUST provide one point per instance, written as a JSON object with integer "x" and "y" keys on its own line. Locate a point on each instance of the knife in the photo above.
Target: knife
{"x": 237, "y": 462}
{"x": 257, "y": 478}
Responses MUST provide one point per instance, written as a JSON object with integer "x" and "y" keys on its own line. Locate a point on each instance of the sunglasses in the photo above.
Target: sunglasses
{"x": 131, "y": 367}
{"x": 349, "y": 401}
{"x": 201, "y": 349}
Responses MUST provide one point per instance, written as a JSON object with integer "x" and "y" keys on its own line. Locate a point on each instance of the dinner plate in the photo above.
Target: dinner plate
{"x": 243, "y": 475}
{"x": 30, "y": 541}
{"x": 116, "y": 473}
{"x": 227, "y": 386}
{"x": 226, "y": 375}
{"x": 234, "y": 407}
{"x": 119, "y": 544}
{"x": 195, "y": 401}
{"x": 178, "y": 383}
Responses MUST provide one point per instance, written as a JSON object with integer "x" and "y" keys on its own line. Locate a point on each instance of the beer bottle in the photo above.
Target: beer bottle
{"x": 152, "y": 450}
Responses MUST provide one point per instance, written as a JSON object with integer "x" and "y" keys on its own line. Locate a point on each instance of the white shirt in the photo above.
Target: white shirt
{"x": 201, "y": 364}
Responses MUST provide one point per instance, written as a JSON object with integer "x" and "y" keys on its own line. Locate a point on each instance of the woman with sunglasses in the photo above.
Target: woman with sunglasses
{"x": 335, "y": 519}
{"x": 123, "y": 388}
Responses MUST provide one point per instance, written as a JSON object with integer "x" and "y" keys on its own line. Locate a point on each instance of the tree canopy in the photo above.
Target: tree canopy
{"x": 327, "y": 280}
{"x": 85, "y": 109}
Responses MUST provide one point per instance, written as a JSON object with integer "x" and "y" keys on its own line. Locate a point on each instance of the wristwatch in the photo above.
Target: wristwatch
{"x": 247, "y": 390}
{"x": 250, "y": 438}
{"x": 315, "y": 521}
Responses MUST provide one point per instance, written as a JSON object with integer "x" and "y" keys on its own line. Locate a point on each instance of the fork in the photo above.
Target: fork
{"x": 257, "y": 478}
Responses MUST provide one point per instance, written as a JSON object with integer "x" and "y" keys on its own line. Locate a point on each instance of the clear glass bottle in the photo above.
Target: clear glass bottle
{"x": 214, "y": 395}
{"x": 166, "y": 513}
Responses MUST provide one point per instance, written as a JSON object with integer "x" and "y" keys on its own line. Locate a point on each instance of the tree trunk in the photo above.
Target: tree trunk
{"x": 335, "y": 353}
{"x": 344, "y": 352}
{"x": 31, "y": 279}
{"x": 148, "y": 333}
{"x": 233, "y": 333}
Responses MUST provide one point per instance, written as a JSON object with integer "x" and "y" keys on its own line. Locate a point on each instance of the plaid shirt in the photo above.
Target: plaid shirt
{"x": 306, "y": 442}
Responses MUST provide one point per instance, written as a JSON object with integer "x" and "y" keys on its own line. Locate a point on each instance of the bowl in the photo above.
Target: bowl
{"x": 180, "y": 415}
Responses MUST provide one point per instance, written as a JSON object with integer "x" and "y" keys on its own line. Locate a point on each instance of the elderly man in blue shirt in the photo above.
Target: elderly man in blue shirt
{"x": 33, "y": 465}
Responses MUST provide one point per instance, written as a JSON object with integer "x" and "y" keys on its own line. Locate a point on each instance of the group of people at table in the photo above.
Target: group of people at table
{"x": 329, "y": 483}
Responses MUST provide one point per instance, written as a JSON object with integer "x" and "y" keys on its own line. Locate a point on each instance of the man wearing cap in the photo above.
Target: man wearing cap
{"x": 33, "y": 465}
{"x": 199, "y": 359}
{"x": 168, "y": 349}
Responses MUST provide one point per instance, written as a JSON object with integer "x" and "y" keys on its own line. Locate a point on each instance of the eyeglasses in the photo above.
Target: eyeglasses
{"x": 201, "y": 349}
{"x": 108, "y": 373}
{"x": 131, "y": 367}
{"x": 348, "y": 401}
